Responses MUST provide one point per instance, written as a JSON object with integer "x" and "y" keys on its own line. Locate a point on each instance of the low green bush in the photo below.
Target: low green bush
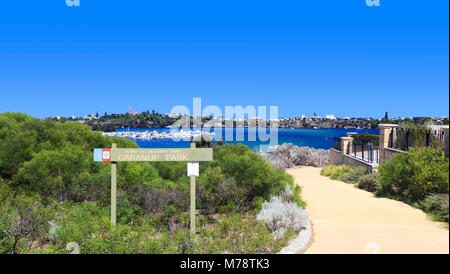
{"x": 239, "y": 234}
{"x": 354, "y": 175}
{"x": 339, "y": 171}
{"x": 437, "y": 205}
{"x": 23, "y": 218}
{"x": 327, "y": 170}
{"x": 412, "y": 176}
{"x": 368, "y": 182}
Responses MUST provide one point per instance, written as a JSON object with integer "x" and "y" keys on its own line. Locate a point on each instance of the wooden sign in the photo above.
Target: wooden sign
{"x": 153, "y": 155}
{"x": 191, "y": 155}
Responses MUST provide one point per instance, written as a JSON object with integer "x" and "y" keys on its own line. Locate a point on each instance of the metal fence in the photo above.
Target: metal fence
{"x": 404, "y": 138}
{"x": 367, "y": 152}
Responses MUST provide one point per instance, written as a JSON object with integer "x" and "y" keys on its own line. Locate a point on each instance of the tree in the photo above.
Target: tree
{"x": 386, "y": 117}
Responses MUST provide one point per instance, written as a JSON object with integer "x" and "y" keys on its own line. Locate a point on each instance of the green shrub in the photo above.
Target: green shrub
{"x": 327, "y": 170}
{"x": 437, "y": 205}
{"x": 67, "y": 174}
{"x": 414, "y": 175}
{"x": 417, "y": 137}
{"x": 78, "y": 222}
{"x": 368, "y": 182}
{"x": 241, "y": 176}
{"x": 340, "y": 171}
{"x": 238, "y": 234}
{"x": 366, "y": 137}
{"x": 23, "y": 218}
{"x": 354, "y": 175}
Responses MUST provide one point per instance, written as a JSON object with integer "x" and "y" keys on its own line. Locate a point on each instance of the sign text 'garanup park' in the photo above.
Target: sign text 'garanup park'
{"x": 191, "y": 155}
{"x": 153, "y": 155}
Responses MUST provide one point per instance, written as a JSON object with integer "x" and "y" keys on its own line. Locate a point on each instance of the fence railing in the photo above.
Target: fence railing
{"x": 404, "y": 138}
{"x": 367, "y": 152}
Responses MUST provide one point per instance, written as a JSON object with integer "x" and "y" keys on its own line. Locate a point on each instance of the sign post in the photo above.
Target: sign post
{"x": 191, "y": 155}
{"x": 191, "y": 173}
{"x": 114, "y": 190}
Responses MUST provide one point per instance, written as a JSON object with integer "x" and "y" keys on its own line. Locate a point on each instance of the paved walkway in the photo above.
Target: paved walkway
{"x": 349, "y": 220}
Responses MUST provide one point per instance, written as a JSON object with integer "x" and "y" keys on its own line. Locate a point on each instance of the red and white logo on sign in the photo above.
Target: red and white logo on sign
{"x": 106, "y": 155}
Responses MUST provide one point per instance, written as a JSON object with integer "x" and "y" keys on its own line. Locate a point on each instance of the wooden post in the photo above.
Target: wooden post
{"x": 114, "y": 190}
{"x": 192, "y": 223}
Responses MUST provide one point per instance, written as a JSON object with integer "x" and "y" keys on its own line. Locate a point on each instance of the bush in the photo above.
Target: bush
{"x": 65, "y": 174}
{"x": 413, "y": 176}
{"x": 288, "y": 155}
{"x": 354, "y": 175}
{"x": 340, "y": 171}
{"x": 280, "y": 216}
{"x": 437, "y": 205}
{"x": 366, "y": 137}
{"x": 22, "y": 219}
{"x": 327, "y": 170}
{"x": 242, "y": 176}
{"x": 238, "y": 234}
{"x": 368, "y": 182}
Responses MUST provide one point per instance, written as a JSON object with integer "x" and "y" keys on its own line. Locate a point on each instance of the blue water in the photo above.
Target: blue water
{"x": 316, "y": 138}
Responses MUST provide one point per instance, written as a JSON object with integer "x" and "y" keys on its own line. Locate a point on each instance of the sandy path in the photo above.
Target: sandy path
{"x": 349, "y": 220}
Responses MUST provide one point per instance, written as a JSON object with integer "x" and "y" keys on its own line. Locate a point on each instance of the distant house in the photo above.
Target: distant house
{"x": 90, "y": 116}
{"x": 174, "y": 115}
{"x": 330, "y": 117}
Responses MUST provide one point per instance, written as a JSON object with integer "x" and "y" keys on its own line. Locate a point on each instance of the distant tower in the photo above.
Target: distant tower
{"x": 132, "y": 113}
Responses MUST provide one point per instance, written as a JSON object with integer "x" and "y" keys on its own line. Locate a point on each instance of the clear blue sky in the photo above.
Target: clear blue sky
{"x": 329, "y": 57}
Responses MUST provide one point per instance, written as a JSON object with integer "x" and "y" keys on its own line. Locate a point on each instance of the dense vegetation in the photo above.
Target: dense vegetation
{"x": 415, "y": 136}
{"x": 153, "y": 119}
{"x": 419, "y": 178}
{"x": 298, "y": 122}
{"x": 359, "y": 176}
{"x": 142, "y": 120}
{"x": 52, "y": 194}
{"x": 365, "y": 138}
